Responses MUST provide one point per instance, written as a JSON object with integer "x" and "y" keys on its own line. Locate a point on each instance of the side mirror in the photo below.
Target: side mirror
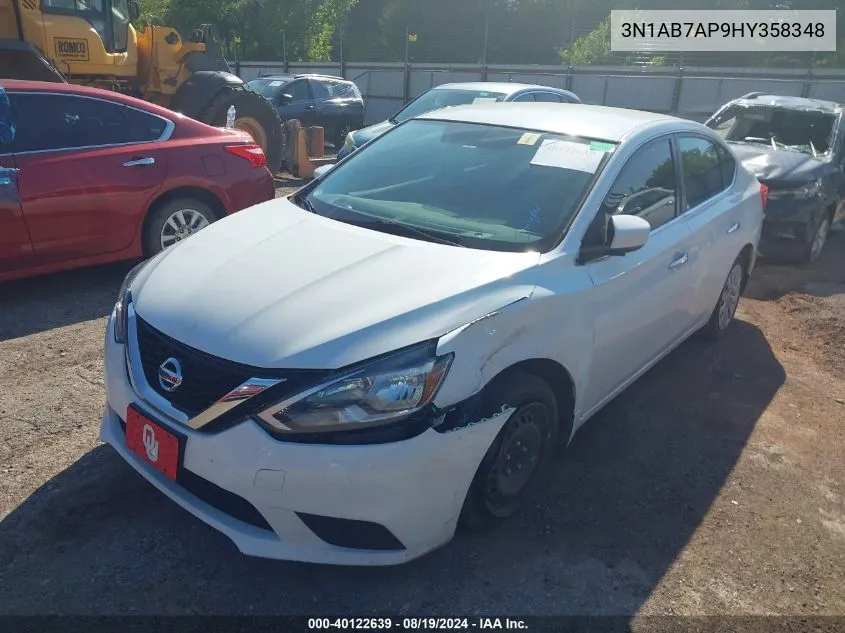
{"x": 285, "y": 99}
{"x": 322, "y": 170}
{"x": 625, "y": 233}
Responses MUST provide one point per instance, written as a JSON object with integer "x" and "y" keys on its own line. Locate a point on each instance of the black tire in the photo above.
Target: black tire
{"x": 819, "y": 230}
{"x": 723, "y": 314}
{"x": 159, "y": 215}
{"x": 525, "y": 442}
{"x": 251, "y": 109}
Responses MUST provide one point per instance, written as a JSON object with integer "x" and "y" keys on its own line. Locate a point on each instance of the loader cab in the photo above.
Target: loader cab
{"x": 110, "y": 18}
{"x": 84, "y": 37}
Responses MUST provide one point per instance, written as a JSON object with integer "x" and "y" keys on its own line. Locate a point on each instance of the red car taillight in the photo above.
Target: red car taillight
{"x": 253, "y": 153}
{"x": 764, "y": 194}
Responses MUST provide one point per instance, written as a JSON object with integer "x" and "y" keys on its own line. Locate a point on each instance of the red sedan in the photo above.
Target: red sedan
{"x": 93, "y": 176}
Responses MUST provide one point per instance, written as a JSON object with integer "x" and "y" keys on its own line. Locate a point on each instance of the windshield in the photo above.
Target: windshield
{"x": 467, "y": 184}
{"x": 444, "y": 98}
{"x": 808, "y": 131}
{"x": 120, "y": 23}
{"x": 267, "y": 87}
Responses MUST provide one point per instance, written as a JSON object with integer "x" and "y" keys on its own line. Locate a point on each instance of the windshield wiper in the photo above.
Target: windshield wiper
{"x": 405, "y": 230}
{"x": 813, "y": 148}
{"x": 304, "y": 203}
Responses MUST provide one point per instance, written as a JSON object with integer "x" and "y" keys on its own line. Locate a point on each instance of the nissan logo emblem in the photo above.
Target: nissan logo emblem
{"x": 170, "y": 374}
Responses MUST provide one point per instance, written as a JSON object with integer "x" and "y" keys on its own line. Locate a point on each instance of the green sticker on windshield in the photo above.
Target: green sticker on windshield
{"x": 598, "y": 146}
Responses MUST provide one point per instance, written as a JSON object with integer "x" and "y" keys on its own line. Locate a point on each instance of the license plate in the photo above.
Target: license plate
{"x": 152, "y": 443}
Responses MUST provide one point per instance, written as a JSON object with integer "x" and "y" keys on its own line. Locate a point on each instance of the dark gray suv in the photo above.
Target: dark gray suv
{"x": 333, "y": 103}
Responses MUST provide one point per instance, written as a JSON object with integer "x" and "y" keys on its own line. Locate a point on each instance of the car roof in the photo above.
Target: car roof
{"x": 505, "y": 87}
{"x": 790, "y": 103}
{"x": 599, "y": 122}
{"x": 291, "y": 77}
{"x": 20, "y": 85}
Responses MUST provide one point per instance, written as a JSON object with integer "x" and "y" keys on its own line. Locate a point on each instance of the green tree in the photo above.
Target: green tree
{"x": 590, "y": 49}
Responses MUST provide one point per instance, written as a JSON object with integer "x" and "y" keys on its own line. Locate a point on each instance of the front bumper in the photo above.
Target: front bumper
{"x": 787, "y": 223}
{"x": 311, "y": 496}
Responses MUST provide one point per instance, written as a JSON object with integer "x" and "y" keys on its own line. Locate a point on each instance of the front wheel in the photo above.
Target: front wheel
{"x": 816, "y": 240}
{"x": 175, "y": 221}
{"x": 516, "y": 460}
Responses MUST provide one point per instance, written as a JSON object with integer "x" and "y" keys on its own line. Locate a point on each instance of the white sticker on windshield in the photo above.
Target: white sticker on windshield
{"x": 274, "y": 84}
{"x": 485, "y": 100}
{"x": 567, "y": 155}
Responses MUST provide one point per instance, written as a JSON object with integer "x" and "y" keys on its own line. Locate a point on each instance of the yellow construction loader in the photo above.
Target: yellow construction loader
{"x": 93, "y": 42}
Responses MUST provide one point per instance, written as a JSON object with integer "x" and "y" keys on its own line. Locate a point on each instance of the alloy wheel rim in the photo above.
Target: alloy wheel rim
{"x": 181, "y": 225}
{"x": 517, "y": 460}
{"x": 730, "y": 297}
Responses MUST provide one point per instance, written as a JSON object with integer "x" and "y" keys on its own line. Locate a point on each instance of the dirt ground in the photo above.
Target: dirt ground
{"x": 714, "y": 485}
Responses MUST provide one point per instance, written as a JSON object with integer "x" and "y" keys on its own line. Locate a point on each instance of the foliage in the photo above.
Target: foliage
{"x": 308, "y": 25}
{"x": 456, "y": 31}
{"x": 593, "y": 48}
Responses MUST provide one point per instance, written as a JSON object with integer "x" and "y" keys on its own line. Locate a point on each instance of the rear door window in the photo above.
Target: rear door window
{"x": 145, "y": 127}
{"x": 523, "y": 98}
{"x": 52, "y": 121}
{"x": 549, "y": 97}
{"x": 702, "y": 170}
{"x": 321, "y": 90}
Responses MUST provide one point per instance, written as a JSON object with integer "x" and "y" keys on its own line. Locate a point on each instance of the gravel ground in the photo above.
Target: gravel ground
{"x": 714, "y": 485}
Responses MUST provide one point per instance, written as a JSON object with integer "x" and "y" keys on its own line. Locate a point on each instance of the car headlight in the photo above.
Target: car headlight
{"x": 124, "y": 297}
{"x": 379, "y": 393}
{"x": 349, "y": 144}
{"x": 807, "y": 191}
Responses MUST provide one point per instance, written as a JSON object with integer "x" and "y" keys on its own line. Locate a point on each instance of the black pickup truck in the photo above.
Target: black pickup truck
{"x": 795, "y": 147}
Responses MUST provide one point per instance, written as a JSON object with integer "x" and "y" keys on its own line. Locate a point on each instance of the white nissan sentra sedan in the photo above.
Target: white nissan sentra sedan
{"x": 346, "y": 375}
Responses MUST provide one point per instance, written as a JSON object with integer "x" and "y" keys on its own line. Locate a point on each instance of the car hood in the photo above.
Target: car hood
{"x": 275, "y": 286}
{"x": 770, "y": 165}
{"x": 367, "y": 134}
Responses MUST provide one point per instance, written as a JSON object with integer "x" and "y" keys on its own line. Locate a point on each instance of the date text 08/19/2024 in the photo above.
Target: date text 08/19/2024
{"x": 415, "y": 624}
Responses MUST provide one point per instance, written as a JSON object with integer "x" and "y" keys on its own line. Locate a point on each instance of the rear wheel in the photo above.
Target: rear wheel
{"x": 723, "y": 314}
{"x": 516, "y": 460}
{"x": 174, "y": 221}
{"x": 254, "y": 115}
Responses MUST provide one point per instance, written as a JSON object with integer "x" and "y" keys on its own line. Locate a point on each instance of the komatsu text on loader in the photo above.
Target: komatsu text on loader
{"x": 93, "y": 42}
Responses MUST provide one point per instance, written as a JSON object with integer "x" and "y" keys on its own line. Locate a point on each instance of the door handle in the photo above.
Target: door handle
{"x": 733, "y": 228}
{"x": 310, "y": 107}
{"x": 680, "y": 260}
{"x": 138, "y": 162}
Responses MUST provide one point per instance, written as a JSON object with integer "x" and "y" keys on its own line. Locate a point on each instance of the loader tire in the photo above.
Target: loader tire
{"x": 253, "y": 114}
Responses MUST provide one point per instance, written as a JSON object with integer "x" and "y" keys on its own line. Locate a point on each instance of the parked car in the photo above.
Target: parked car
{"x": 93, "y": 176}
{"x": 795, "y": 147}
{"x": 332, "y": 103}
{"x": 447, "y": 95}
{"x": 446, "y": 305}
